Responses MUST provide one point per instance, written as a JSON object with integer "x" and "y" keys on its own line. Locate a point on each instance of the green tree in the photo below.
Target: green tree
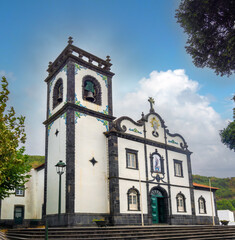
{"x": 211, "y": 33}
{"x": 225, "y": 204}
{"x": 228, "y": 134}
{"x": 14, "y": 164}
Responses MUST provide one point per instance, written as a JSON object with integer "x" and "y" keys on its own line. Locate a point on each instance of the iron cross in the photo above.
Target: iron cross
{"x": 151, "y": 100}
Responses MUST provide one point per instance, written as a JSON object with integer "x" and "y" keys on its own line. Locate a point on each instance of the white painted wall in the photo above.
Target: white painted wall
{"x": 81, "y": 72}
{"x": 125, "y": 172}
{"x": 206, "y": 195}
{"x": 32, "y": 200}
{"x": 63, "y": 75}
{"x": 91, "y": 182}
{"x": 183, "y": 181}
{"x": 56, "y": 152}
{"x": 150, "y": 129}
{"x": 186, "y": 193}
{"x": 124, "y": 186}
{"x": 226, "y": 215}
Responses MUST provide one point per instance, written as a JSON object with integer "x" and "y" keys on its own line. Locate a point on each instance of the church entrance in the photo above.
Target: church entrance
{"x": 158, "y": 206}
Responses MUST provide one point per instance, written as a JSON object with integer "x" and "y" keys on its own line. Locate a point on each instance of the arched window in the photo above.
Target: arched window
{"x": 133, "y": 198}
{"x": 91, "y": 90}
{"x": 202, "y": 204}
{"x": 180, "y": 199}
{"x": 58, "y": 93}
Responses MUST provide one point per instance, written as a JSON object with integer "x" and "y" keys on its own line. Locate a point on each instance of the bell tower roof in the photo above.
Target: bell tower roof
{"x": 80, "y": 56}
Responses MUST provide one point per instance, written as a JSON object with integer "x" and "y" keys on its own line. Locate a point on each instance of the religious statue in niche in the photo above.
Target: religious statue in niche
{"x": 156, "y": 163}
{"x": 157, "y": 166}
{"x": 155, "y": 125}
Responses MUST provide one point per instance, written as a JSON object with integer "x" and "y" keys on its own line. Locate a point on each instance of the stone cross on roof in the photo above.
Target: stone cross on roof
{"x": 151, "y": 101}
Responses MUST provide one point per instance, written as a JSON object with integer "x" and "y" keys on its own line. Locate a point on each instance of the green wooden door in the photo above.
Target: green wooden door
{"x": 19, "y": 214}
{"x": 154, "y": 206}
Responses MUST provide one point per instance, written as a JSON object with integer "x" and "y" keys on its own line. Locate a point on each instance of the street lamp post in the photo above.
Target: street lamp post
{"x": 60, "y": 166}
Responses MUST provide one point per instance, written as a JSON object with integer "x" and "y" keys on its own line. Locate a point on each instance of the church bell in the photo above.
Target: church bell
{"x": 90, "y": 96}
{"x": 60, "y": 97}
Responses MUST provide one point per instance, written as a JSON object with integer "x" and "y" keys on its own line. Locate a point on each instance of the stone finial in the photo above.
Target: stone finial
{"x": 108, "y": 59}
{"x": 49, "y": 64}
{"x": 70, "y": 41}
{"x": 151, "y": 101}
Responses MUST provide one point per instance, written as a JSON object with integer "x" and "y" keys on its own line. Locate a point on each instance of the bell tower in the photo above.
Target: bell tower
{"x": 79, "y": 112}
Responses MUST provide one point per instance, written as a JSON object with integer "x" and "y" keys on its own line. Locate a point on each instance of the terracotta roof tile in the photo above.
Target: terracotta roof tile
{"x": 204, "y": 186}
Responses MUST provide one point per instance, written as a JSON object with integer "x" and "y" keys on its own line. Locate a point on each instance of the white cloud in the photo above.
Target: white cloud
{"x": 186, "y": 112}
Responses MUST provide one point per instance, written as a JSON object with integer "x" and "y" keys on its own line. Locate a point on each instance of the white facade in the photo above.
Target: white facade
{"x": 30, "y": 199}
{"x": 118, "y": 169}
{"x": 226, "y": 215}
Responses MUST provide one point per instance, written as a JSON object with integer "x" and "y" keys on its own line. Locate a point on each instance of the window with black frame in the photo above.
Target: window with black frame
{"x": 180, "y": 199}
{"x": 178, "y": 168}
{"x": 202, "y": 205}
{"x": 131, "y": 158}
{"x": 133, "y": 199}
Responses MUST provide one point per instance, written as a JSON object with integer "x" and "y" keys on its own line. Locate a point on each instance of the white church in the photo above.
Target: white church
{"x": 124, "y": 171}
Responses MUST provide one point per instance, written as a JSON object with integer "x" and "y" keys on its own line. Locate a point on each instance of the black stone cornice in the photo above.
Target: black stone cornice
{"x": 114, "y": 132}
{"x": 77, "y": 108}
{"x": 118, "y": 127}
{"x": 77, "y": 55}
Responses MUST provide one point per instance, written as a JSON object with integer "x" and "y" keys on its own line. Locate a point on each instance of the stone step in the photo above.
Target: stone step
{"x": 127, "y": 233}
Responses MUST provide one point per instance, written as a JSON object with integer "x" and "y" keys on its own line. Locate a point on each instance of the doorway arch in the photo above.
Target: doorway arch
{"x": 159, "y": 205}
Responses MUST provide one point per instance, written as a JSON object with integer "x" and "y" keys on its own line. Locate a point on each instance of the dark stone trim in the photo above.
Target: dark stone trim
{"x": 10, "y": 223}
{"x": 55, "y": 102}
{"x": 70, "y": 141}
{"x": 190, "y": 176}
{"x": 110, "y": 96}
{"x": 138, "y": 199}
{"x": 204, "y": 203}
{"x": 117, "y": 123}
{"x": 135, "y": 152}
{"x": 45, "y": 172}
{"x": 168, "y": 178}
{"x": 137, "y": 180}
{"x": 67, "y": 54}
{"x": 97, "y": 87}
{"x": 75, "y": 219}
{"x": 147, "y": 179}
{"x": 178, "y": 219}
{"x": 130, "y": 219}
{"x": 77, "y": 108}
{"x": 215, "y": 205}
{"x": 114, "y": 201}
{"x": 146, "y": 141}
{"x": 178, "y": 162}
{"x": 183, "y": 146}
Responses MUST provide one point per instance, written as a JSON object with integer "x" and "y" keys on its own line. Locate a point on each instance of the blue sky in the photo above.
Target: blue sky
{"x": 140, "y": 36}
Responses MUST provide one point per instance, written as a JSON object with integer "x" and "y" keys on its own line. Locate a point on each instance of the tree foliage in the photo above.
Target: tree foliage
{"x": 228, "y": 134}
{"x": 211, "y": 33}
{"x": 225, "y": 204}
{"x": 14, "y": 164}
